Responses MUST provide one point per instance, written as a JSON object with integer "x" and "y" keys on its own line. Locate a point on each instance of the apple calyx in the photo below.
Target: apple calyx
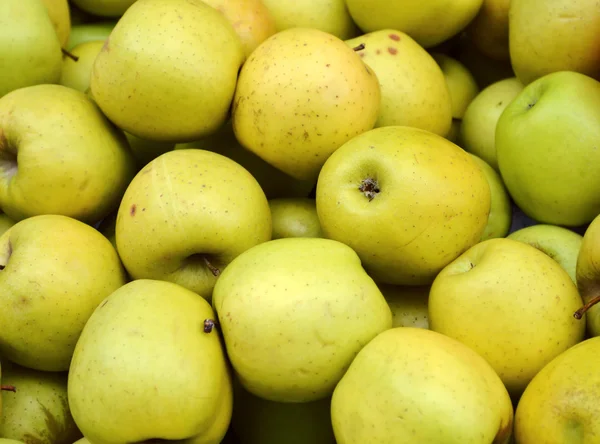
{"x": 359, "y": 47}
{"x": 8, "y": 388}
{"x": 370, "y": 188}
{"x": 209, "y": 325}
{"x": 70, "y": 55}
{"x": 579, "y": 313}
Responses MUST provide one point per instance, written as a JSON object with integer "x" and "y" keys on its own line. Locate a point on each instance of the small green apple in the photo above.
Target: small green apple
{"x": 77, "y": 66}
{"x": 461, "y": 83}
{"x": 294, "y": 217}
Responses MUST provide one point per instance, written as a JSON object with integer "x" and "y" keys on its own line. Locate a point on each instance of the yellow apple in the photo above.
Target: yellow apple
{"x": 60, "y": 14}
{"x": 461, "y": 83}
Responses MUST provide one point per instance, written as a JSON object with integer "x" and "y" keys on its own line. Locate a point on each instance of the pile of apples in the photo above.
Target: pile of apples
{"x": 308, "y": 222}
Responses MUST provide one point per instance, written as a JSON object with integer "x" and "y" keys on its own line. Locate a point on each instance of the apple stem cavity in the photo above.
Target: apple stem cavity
{"x": 8, "y": 388}
{"x": 370, "y": 188}
{"x": 214, "y": 270}
{"x": 359, "y": 47}
{"x": 70, "y": 55}
{"x": 209, "y": 325}
{"x": 579, "y": 313}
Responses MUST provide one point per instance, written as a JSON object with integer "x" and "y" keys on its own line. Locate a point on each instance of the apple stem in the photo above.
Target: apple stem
{"x": 359, "y": 47}
{"x": 579, "y": 313}
{"x": 214, "y": 270}
{"x": 69, "y": 55}
{"x": 209, "y": 324}
{"x": 8, "y": 388}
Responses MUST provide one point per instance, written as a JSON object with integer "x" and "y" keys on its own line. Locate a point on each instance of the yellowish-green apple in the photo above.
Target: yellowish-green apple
{"x": 5, "y": 223}
{"x": 294, "y": 312}
{"x": 10, "y": 441}
{"x": 547, "y": 143}
{"x": 329, "y": 16}
{"x": 413, "y": 385}
{"x": 408, "y": 304}
{"x": 77, "y": 65}
{"x": 148, "y": 366}
{"x": 250, "y": 18}
{"x": 38, "y": 411}
{"x": 429, "y": 23}
{"x": 294, "y": 217}
{"x": 461, "y": 84}
{"x": 88, "y": 32}
{"x": 478, "y": 126}
{"x": 60, "y": 14}
{"x": 75, "y": 163}
{"x": 104, "y": 8}
{"x": 500, "y": 217}
{"x": 186, "y": 215}
{"x": 560, "y": 403}
{"x": 547, "y": 37}
{"x": 484, "y": 69}
{"x": 413, "y": 87}
{"x": 509, "y": 302}
{"x": 300, "y": 95}
{"x": 560, "y": 243}
{"x": 406, "y": 200}
{"x": 259, "y": 421}
{"x": 30, "y": 51}
{"x": 587, "y": 273}
{"x": 55, "y": 271}
{"x": 275, "y": 183}
{"x": 178, "y": 83}
{"x": 144, "y": 150}
{"x": 489, "y": 29}
{"x": 83, "y": 440}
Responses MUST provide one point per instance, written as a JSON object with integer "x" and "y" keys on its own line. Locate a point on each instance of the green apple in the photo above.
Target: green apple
{"x": 148, "y": 367}
{"x": 300, "y": 95}
{"x": 428, "y": 23}
{"x": 30, "y": 51}
{"x": 408, "y": 304}
{"x": 75, "y": 163}
{"x": 251, "y": 20}
{"x": 559, "y": 404}
{"x": 461, "y": 83}
{"x": 178, "y": 83}
{"x": 51, "y": 303}
{"x": 547, "y": 142}
{"x": 89, "y": 32}
{"x": 275, "y": 183}
{"x": 38, "y": 411}
{"x": 294, "y": 217}
{"x": 412, "y": 385}
{"x": 186, "y": 215}
{"x": 587, "y": 273}
{"x": 77, "y": 65}
{"x": 500, "y": 217}
{"x": 561, "y": 244}
{"x": 406, "y": 200}
{"x": 330, "y": 16}
{"x": 478, "y": 127}
{"x": 294, "y": 312}
{"x": 145, "y": 150}
{"x": 489, "y": 29}
{"x": 60, "y": 15}
{"x": 547, "y": 37}
{"x": 259, "y": 421}
{"x": 10, "y": 441}
{"x": 509, "y": 302}
{"x": 105, "y": 8}
{"x": 413, "y": 87}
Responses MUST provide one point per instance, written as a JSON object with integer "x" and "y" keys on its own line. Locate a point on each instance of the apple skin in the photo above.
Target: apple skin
{"x": 489, "y": 29}
{"x": 186, "y": 206}
{"x": 561, "y": 244}
{"x": 587, "y": 273}
{"x": 461, "y": 83}
{"x": 294, "y": 218}
{"x": 560, "y": 403}
{"x": 547, "y": 142}
{"x": 77, "y": 74}
{"x": 60, "y": 14}
{"x": 478, "y": 126}
{"x": 431, "y": 202}
{"x": 509, "y": 302}
{"x": 104, "y": 8}
{"x": 88, "y": 32}
{"x": 408, "y": 304}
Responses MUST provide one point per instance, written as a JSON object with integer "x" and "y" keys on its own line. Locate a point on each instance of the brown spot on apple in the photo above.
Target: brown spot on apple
{"x": 132, "y": 210}
{"x": 106, "y": 47}
{"x": 394, "y": 37}
{"x": 504, "y": 431}
{"x": 392, "y": 50}
{"x": 378, "y": 52}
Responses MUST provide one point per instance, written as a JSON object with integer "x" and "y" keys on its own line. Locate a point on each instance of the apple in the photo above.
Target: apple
{"x": 294, "y": 312}
{"x": 104, "y": 8}
{"x": 294, "y": 217}
{"x": 406, "y": 200}
{"x": 186, "y": 215}
{"x": 461, "y": 83}
{"x": 89, "y": 32}
{"x": 300, "y": 95}
{"x": 60, "y": 15}
{"x": 77, "y": 65}
{"x": 509, "y": 302}
{"x": 408, "y": 304}
{"x": 547, "y": 142}
{"x": 413, "y": 87}
{"x": 76, "y": 162}
{"x": 478, "y": 126}
{"x": 587, "y": 274}
{"x": 413, "y": 385}
{"x": 146, "y": 367}
{"x": 55, "y": 271}
{"x": 489, "y": 29}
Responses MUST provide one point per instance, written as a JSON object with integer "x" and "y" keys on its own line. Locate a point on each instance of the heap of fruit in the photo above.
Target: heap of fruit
{"x": 309, "y": 222}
